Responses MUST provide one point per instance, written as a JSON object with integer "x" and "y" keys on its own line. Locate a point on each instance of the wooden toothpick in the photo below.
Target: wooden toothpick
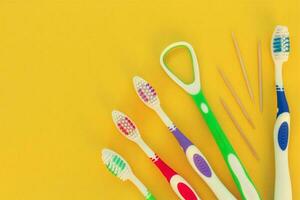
{"x": 245, "y": 75}
{"x": 236, "y": 97}
{"x": 260, "y": 83}
{"x": 240, "y": 130}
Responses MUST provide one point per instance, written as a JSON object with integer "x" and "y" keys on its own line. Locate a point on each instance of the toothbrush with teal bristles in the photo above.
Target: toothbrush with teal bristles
{"x": 197, "y": 160}
{"x": 121, "y": 169}
{"x": 280, "y": 47}
{"x": 236, "y": 168}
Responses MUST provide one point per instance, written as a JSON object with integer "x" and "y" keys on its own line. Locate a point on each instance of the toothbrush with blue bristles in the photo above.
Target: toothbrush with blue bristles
{"x": 280, "y": 47}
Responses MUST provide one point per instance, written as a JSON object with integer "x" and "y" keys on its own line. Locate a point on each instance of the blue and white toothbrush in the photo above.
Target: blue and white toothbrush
{"x": 280, "y": 46}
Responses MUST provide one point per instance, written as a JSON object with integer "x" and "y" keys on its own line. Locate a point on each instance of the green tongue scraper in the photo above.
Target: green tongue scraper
{"x": 237, "y": 170}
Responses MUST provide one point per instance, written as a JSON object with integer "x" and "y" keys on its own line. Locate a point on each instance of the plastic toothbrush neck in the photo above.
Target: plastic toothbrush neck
{"x": 278, "y": 75}
{"x": 139, "y": 185}
{"x": 146, "y": 149}
{"x": 164, "y": 117}
{"x": 282, "y": 105}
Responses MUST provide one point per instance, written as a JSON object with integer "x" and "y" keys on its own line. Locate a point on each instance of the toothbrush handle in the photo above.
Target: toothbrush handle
{"x": 179, "y": 185}
{"x": 237, "y": 170}
{"x": 200, "y": 164}
{"x": 283, "y": 189}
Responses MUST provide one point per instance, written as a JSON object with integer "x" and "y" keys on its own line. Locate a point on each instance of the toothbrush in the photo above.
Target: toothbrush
{"x": 179, "y": 185}
{"x": 238, "y": 171}
{"x": 196, "y": 159}
{"x": 280, "y": 46}
{"x": 121, "y": 169}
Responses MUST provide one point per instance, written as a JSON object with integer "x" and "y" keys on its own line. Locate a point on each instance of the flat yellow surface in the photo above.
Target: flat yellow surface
{"x": 65, "y": 64}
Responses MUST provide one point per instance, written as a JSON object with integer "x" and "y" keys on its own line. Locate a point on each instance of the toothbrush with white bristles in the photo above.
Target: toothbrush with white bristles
{"x": 179, "y": 185}
{"x": 280, "y": 47}
{"x": 121, "y": 169}
{"x": 196, "y": 159}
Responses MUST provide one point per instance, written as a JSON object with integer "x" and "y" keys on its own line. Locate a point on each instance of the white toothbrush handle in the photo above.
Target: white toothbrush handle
{"x": 283, "y": 190}
{"x": 200, "y": 164}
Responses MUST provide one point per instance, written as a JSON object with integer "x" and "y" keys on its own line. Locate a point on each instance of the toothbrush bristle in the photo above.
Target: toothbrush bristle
{"x": 125, "y": 125}
{"x": 115, "y": 164}
{"x": 145, "y": 91}
{"x": 281, "y": 43}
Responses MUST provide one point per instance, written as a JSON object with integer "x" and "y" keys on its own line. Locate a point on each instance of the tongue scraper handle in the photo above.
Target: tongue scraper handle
{"x": 240, "y": 176}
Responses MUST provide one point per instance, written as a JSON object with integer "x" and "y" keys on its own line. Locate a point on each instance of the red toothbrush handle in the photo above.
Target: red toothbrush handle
{"x": 179, "y": 185}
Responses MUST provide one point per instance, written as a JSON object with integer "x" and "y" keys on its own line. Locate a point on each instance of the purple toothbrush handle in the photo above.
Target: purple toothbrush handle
{"x": 183, "y": 141}
{"x": 195, "y": 157}
{"x": 200, "y": 164}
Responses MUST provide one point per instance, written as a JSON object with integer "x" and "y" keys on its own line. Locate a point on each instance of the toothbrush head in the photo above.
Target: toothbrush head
{"x": 125, "y": 125}
{"x": 280, "y": 44}
{"x": 145, "y": 92}
{"x": 116, "y": 164}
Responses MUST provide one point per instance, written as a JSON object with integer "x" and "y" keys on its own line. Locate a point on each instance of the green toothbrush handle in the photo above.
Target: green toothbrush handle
{"x": 237, "y": 170}
{"x": 150, "y": 196}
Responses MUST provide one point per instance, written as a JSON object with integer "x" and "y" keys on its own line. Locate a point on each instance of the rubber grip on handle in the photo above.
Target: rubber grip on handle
{"x": 179, "y": 185}
{"x": 183, "y": 190}
{"x": 283, "y": 135}
{"x": 201, "y": 164}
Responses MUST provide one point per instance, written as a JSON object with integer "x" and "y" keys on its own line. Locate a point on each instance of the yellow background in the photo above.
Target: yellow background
{"x": 65, "y": 64}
